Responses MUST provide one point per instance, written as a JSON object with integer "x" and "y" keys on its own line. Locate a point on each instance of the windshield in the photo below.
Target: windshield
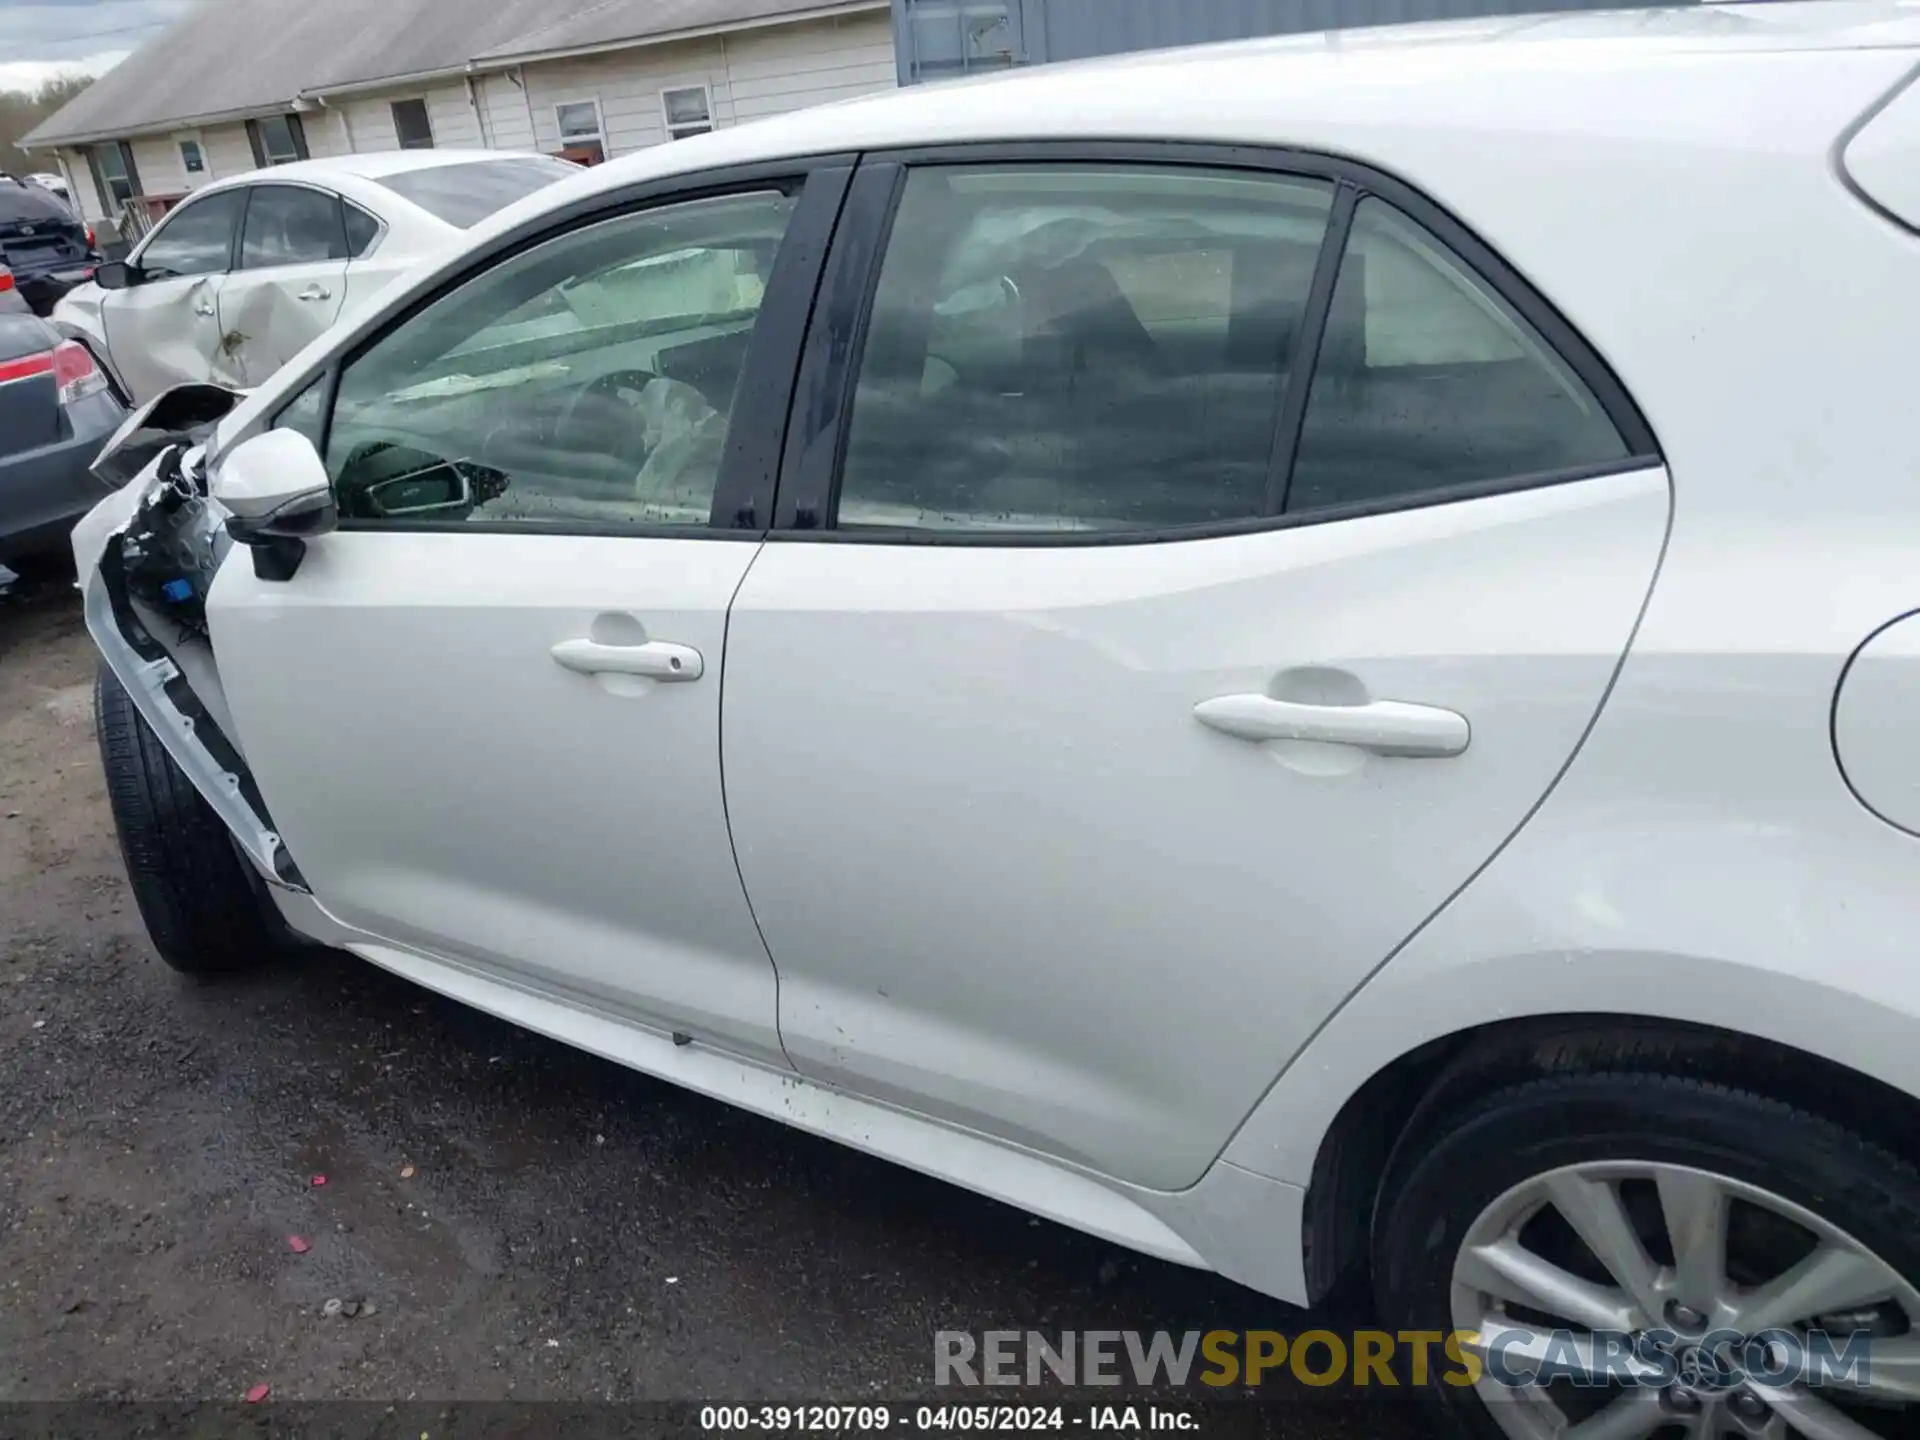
{"x": 464, "y": 195}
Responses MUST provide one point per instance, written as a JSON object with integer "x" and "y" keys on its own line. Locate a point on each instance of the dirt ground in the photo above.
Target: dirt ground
{"x": 514, "y": 1220}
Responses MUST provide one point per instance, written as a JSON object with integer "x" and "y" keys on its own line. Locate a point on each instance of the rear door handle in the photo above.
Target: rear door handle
{"x": 316, "y": 292}
{"x": 1384, "y": 727}
{"x": 206, "y": 310}
{"x": 655, "y": 660}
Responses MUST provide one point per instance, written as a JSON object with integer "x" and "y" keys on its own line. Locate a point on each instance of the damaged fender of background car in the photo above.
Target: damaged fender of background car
{"x": 147, "y": 555}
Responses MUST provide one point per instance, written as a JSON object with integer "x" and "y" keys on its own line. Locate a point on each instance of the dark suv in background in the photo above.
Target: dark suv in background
{"x": 44, "y": 243}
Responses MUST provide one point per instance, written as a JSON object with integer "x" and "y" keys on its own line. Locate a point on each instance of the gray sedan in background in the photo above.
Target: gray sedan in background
{"x": 56, "y": 411}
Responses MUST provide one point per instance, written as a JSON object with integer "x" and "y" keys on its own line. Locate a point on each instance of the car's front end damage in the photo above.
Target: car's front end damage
{"x": 146, "y": 557}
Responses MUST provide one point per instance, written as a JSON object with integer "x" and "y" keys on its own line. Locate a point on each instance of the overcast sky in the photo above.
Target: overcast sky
{"x": 41, "y": 38}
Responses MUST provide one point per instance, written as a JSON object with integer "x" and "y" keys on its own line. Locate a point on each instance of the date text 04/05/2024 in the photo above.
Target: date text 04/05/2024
{"x": 1115, "y": 1419}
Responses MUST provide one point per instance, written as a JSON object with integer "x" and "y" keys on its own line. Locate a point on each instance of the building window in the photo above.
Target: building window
{"x": 114, "y": 175}
{"x": 411, "y": 124}
{"x": 688, "y": 112}
{"x": 277, "y": 139}
{"x": 192, "y": 157}
{"x": 582, "y": 137}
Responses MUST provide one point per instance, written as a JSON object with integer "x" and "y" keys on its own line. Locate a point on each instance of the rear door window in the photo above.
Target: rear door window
{"x": 1080, "y": 347}
{"x": 291, "y": 225}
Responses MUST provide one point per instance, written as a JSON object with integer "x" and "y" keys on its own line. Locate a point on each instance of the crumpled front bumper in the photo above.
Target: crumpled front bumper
{"x": 155, "y": 680}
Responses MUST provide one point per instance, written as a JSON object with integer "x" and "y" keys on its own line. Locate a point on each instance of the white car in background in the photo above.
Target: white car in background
{"x": 239, "y": 278}
{"x": 1321, "y": 648}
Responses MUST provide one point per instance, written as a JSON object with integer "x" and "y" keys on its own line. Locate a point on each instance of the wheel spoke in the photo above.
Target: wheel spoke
{"x": 1512, "y": 1350}
{"x": 1695, "y": 1208}
{"x": 1635, "y": 1415}
{"x": 1508, "y": 1270}
{"x": 1811, "y": 1417}
{"x": 1593, "y": 1209}
{"x": 1892, "y": 1369}
{"x": 1831, "y": 1278}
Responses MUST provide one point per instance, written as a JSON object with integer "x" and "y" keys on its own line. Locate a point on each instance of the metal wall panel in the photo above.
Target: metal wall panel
{"x": 936, "y": 39}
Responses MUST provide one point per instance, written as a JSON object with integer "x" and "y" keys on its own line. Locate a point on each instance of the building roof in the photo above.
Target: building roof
{"x": 193, "y": 72}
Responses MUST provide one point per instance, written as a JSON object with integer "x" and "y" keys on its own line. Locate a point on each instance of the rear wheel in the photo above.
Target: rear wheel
{"x": 204, "y": 911}
{"x": 1618, "y": 1241}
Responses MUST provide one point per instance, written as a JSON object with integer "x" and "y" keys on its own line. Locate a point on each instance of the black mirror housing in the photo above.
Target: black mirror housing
{"x": 116, "y": 275}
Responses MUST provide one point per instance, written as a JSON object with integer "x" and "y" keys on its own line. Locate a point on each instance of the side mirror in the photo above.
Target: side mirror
{"x": 115, "y": 275}
{"x": 276, "y": 492}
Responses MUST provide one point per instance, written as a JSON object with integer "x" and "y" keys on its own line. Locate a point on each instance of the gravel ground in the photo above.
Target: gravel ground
{"x": 516, "y": 1220}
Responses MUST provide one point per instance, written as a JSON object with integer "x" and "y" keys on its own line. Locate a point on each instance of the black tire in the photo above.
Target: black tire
{"x": 204, "y": 912}
{"x": 44, "y": 567}
{"x": 1450, "y": 1166}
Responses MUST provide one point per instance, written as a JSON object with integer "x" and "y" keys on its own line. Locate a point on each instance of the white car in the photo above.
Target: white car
{"x": 244, "y": 273}
{"x": 55, "y": 183}
{"x": 1320, "y": 641}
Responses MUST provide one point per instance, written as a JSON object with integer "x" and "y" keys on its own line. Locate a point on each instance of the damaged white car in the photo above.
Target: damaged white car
{"x": 247, "y": 271}
{"x": 1319, "y": 671}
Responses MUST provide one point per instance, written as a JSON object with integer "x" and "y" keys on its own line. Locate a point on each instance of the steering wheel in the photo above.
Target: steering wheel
{"x": 607, "y": 390}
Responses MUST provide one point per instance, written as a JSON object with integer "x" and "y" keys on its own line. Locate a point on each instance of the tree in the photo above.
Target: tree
{"x": 21, "y": 110}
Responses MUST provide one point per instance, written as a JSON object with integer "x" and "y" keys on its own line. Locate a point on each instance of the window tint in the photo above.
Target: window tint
{"x": 411, "y": 125}
{"x": 587, "y": 381}
{"x": 1428, "y": 379}
{"x": 362, "y": 230}
{"x": 1079, "y": 347}
{"x": 464, "y": 195}
{"x": 291, "y": 225}
{"x": 197, "y": 239}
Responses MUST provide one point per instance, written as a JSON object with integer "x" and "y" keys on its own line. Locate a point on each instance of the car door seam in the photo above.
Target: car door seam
{"x": 726, "y": 816}
{"x": 1586, "y": 733}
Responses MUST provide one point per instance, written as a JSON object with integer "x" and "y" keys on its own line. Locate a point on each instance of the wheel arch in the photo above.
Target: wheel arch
{"x": 1386, "y": 1111}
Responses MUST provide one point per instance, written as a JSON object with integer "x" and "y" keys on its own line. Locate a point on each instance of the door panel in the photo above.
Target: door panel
{"x": 166, "y": 331}
{"x": 289, "y": 284}
{"x": 1011, "y": 880}
{"x": 484, "y": 714}
{"x": 269, "y": 316}
{"x": 445, "y": 783}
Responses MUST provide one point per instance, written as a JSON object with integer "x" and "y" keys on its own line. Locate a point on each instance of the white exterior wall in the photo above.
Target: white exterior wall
{"x": 370, "y": 119}
{"x": 789, "y": 67}
{"x": 228, "y": 150}
{"x": 748, "y": 75}
{"x": 504, "y": 113}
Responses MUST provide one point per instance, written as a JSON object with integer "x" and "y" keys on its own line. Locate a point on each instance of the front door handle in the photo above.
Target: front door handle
{"x": 655, "y": 660}
{"x": 1384, "y": 727}
{"x": 316, "y": 292}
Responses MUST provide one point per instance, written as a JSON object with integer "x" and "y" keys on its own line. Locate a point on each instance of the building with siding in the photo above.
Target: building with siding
{"x": 316, "y": 79}
{"x": 360, "y": 75}
{"x": 940, "y": 39}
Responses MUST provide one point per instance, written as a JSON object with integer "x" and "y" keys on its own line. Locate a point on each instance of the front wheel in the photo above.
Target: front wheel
{"x": 203, "y": 911}
{"x": 1640, "y": 1255}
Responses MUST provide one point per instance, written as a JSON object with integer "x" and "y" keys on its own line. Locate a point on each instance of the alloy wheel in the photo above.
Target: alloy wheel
{"x": 1620, "y": 1300}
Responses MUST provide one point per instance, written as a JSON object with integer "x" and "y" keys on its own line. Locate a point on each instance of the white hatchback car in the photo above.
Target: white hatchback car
{"x": 1319, "y": 643}
{"x": 247, "y": 271}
